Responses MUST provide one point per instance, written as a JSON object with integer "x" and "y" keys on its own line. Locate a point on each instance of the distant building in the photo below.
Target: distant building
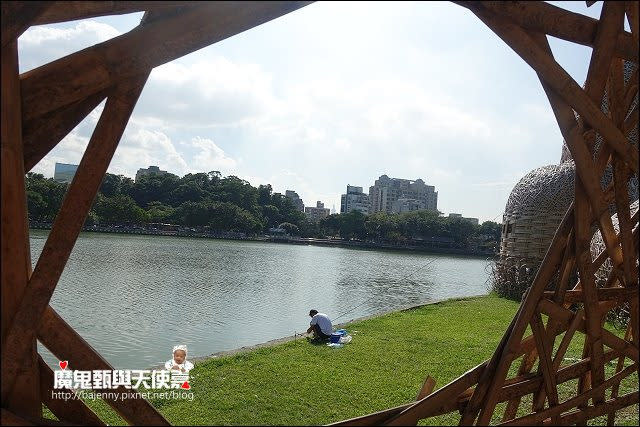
{"x": 457, "y": 215}
{"x": 354, "y": 200}
{"x": 386, "y": 191}
{"x": 64, "y": 172}
{"x": 317, "y": 213}
{"x": 297, "y": 201}
{"x": 404, "y": 204}
{"x": 151, "y": 170}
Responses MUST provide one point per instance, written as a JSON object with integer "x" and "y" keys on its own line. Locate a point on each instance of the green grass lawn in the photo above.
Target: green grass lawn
{"x": 385, "y": 365}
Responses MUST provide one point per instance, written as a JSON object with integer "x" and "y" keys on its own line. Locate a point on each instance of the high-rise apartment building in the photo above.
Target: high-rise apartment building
{"x": 354, "y": 200}
{"x": 64, "y": 172}
{"x": 317, "y": 213}
{"x": 297, "y": 201}
{"x": 415, "y": 195}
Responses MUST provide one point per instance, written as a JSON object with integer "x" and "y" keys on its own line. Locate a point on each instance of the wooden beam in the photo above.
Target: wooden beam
{"x": 628, "y": 349}
{"x": 8, "y": 418}
{"x": 631, "y": 9}
{"x": 442, "y": 397}
{"x": 573, "y": 133}
{"x": 17, "y": 16}
{"x": 580, "y": 416}
{"x": 427, "y": 387}
{"x": 16, "y": 256}
{"x": 67, "y": 226}
{"x": 583, "y": 260}
{"x": 567, "y": 373}
{"x": 64, "y": 342}
{"x": 528, "y": 361}
{"x": 546, "y": 271}
{"x": 377, "y": 418}
{"x": 73, "y": 410}
{"x": 45, "y": 132}
{"x": 561, "y": 83}
{"x": 610, "y": 25}
{"x": 621, "y": 179}
{"x": 611, "y": 417}
{"x": 546, "y": 367}
{"x": 604, "y": 294}
{"x": 545, "y": 18}
{"x": 71, "y": 10}
{"x": 538, "y": 417}
{"x": 79, "y": 75}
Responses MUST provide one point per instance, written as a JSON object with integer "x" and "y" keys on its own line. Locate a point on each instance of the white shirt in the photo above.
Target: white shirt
{"x": 186, "y": 365}
{"x": 323, "y": 321}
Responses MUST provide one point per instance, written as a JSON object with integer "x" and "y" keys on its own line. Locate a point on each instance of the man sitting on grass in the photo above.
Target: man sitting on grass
{"x": 320, "y": 325}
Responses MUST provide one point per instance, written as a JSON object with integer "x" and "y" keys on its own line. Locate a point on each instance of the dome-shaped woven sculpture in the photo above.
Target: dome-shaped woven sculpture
{"x": 534, "y": 210}
{"x": 536, "y": 206}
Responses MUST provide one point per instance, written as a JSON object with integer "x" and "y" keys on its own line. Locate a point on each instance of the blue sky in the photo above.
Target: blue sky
{"x": 335, "y": 94}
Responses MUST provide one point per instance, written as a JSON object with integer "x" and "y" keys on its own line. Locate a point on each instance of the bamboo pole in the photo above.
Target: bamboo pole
{"x": 16, "y": 256}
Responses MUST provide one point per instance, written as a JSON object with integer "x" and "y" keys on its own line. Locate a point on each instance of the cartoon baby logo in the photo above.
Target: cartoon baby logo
{"x": 179, "y": 367}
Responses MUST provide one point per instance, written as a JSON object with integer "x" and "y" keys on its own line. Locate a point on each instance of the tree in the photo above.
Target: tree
{"x": 290, "y": 228}
{"x": 157, "y": 212}
{"x": 119, "y": 209}
{"x": 110, "y": 185}
{"x": 264, "y": 194}
{"x": 51, "y": 194}
{"x": 352, "y": 225}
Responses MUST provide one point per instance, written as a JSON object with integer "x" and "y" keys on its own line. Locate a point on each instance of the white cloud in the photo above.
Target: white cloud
{"x": 210, "y": 157}
{"x": 42, "y": 44}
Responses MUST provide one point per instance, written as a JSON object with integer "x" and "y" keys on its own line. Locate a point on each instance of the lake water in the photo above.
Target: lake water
{"x": 134, "y": 297}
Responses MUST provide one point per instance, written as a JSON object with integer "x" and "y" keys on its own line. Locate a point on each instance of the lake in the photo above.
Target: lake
{"x": 134, "y": 297}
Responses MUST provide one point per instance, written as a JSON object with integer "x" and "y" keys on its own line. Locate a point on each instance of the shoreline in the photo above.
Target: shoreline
{"x": 293, "y": 241}
{"x": 282, "y": 340}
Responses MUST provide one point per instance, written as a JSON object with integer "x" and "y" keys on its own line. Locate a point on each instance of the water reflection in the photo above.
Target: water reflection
{"x": 134, "y": 297}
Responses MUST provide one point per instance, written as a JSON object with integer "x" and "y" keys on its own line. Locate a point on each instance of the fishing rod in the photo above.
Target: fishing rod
{"x": 375, "y": 296}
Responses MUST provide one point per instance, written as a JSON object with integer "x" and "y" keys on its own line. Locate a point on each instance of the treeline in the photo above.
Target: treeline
{"x": 195, "y": 200}
{"x": 408, "y": 228}
{"x": 232, "y": 204}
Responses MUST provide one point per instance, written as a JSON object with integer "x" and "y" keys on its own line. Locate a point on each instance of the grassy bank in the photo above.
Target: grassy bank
{"x": 385, "y": 365}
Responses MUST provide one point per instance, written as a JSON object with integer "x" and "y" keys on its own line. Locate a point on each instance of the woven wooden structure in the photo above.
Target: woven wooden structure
{"x": 41, "y": 106}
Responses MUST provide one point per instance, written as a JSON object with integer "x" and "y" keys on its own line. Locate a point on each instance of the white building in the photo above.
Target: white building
{"x": 64, "y": 172}
{"x": 354, "y": 200}
{"x": 386, "y": 191}
{"x": 317, "y": 213}
{"x": 151, "y": 170}
{"x": 404, "y": 204}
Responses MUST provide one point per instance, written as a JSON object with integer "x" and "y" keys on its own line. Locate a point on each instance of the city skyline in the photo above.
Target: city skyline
{"x": 406, "y": 94}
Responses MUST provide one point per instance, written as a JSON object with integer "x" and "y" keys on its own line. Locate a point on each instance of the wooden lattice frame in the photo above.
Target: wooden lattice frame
{"x": 42, "y": 106}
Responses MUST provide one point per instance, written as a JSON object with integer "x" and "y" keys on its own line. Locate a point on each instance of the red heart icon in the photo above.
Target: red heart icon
{"x": 185, "y": 385}
{"x": 63, "y": 364}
